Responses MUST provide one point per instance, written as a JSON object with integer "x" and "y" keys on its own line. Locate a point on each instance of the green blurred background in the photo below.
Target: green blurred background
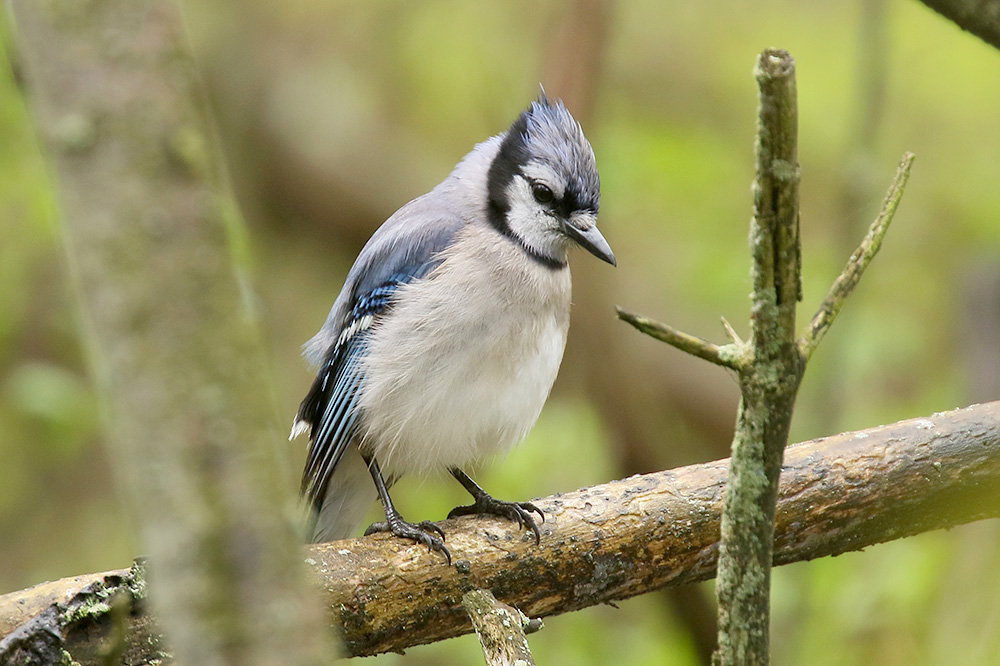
{"x": 331, "y": 115}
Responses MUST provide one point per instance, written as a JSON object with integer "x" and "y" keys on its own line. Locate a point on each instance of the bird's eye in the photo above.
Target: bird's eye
{"x": 543, "y": 194}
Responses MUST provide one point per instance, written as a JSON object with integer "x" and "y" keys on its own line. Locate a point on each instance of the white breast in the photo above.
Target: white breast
{"x": 462, "y": 367}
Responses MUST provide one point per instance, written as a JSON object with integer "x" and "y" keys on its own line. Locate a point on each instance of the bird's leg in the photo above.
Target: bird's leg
{"x": 519, "y": 512}
{"x": 421, "y": 532}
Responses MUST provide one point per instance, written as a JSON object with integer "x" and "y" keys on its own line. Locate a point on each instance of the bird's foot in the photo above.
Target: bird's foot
{"x": 424, "y": 532}
{"x": 519, "y": 512}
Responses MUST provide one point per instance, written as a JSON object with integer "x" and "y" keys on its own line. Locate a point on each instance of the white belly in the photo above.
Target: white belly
{"x": 448, "y": 384}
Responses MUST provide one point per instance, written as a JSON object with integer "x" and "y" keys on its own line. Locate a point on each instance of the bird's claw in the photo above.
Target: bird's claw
{"x": 422, "y": 532}
{"x": 519, "y": 512}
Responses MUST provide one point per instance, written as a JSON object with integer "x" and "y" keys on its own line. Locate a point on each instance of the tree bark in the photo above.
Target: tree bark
{"x": 500, "y": 629}
{"x": 769, "y": 378}
{"x": 629, "y": 537}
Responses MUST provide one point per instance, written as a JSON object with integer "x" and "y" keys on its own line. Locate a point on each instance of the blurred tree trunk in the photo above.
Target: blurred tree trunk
{"x": 151, "y": 235}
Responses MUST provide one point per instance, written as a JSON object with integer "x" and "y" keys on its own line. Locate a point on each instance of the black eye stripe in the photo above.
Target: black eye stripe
{"x": 570, "y": 202}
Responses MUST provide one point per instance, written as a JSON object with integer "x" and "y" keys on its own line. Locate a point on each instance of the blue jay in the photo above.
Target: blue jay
{"x": 447, "y": 336}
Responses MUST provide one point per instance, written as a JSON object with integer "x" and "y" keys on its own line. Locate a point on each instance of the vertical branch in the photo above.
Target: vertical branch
{"x": 770, "y": 380}
{"x": 179, "y": 361}
{"x": 501, "y": 629}
{"x": 770, "y": 365}
{"x": 774, "y": 231}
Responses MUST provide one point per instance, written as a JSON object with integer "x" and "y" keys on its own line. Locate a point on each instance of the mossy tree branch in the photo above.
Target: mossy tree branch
{"x": 837, "y": 494}
{"x": 729, "y": 356}
{"x": 501, "y": 629}
{"x": 771, "y": 363}
{"x": 769, "y": 380}
{"x": 856, "y": 265}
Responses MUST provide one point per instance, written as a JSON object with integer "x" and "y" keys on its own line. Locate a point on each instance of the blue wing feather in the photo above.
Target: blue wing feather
{"x": 331, "y": 406}
{"x": 338, "y": 420}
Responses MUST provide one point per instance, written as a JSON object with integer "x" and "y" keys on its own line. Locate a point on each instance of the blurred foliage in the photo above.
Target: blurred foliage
{"x": 334, "y": 114}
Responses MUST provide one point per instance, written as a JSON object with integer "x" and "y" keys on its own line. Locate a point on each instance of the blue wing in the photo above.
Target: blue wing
{"x": 331, "y": 406}
{"x": 397, "y": 254}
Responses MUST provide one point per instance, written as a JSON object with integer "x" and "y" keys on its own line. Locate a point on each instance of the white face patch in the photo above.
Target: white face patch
{"x": 534, "y": 224}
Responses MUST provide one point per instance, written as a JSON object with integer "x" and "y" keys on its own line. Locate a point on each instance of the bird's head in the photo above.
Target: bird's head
{"x": 544, "y": 190}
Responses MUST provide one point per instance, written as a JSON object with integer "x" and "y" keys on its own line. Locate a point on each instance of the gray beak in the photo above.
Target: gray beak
{"x": 590, "y": 238}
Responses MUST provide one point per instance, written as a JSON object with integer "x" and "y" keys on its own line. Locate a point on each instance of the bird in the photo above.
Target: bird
{"x": 444, "y": 342}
